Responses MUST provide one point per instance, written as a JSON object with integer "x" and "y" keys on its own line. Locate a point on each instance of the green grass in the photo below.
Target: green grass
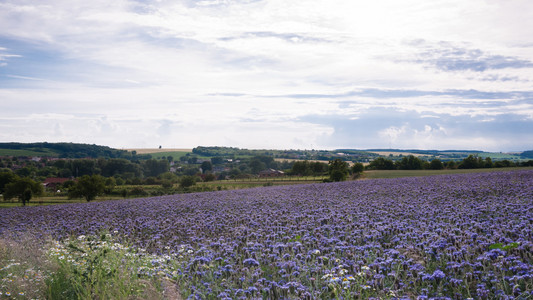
{"x": 500, "y": 156}
{"x": 176, "y": 155}
{"x": 374, "y": 174}
{"x": 257, "y": 182}
{"x": 36, "y": 152}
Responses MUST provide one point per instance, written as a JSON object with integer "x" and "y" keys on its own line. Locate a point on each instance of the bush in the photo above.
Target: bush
{"x": 187, "y": 181}
{"x": 138, "y": 191}
{"x": 167, "y": 184}
{"x": 209, "y": 177}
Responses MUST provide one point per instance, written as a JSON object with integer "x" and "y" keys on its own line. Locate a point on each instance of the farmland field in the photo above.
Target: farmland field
{"x": 458, "y": 236}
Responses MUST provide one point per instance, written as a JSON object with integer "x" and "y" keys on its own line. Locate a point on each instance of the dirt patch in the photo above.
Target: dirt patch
{"x": 157, "y": 150}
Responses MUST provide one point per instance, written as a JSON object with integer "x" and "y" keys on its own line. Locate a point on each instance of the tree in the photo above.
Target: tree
{"x": 488, "y": 163}
{"x": 471, "y": 162}
{"x": 358, "y": 168}
{"x": 154, "y": 167}
{"x": 436, "y": 164}
{"x": 301, "y": 168}
{"x": 410, "y": 162}
{"x": 209, "y": 177}
{"x": 23, "y": 188}
{"x": 217, "y": 160}
{"x": 206, "y": 166}
{"x": 318, "y": 168}
{"x": 6, "y": 177}
{"x": 88, "y": 187}
{"x": 451, "y": 165}
{"x": 256, "y": 165}
{"x": 169, "y": 176}
{"x": 338, "y": 170}
{"x": 381, "y": 163}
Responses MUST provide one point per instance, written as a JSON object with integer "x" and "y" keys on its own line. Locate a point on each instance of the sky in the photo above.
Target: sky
{"x": 268, "y": 74}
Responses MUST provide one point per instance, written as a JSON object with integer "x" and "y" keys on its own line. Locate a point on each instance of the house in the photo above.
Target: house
{"x": 271, "y": 173}
{"x": 53, "y": 183}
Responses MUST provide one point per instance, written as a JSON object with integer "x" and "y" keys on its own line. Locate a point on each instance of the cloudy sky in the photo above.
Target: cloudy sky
{"x": 275, "y": 74}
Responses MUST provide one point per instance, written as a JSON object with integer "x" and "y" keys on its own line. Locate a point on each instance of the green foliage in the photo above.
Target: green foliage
{"x": 88, "y": 187}
{"x": 23, "y": 188}
{"x": 98, "y": 267}
{"x": 502, "y": 247}
{"x": 169, "y": 176}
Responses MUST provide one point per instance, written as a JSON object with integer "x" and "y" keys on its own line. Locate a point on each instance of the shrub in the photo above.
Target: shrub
{"x": 187, "y": 181}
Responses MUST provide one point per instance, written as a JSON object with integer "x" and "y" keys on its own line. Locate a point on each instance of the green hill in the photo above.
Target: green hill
{"x": 62, "y": 150}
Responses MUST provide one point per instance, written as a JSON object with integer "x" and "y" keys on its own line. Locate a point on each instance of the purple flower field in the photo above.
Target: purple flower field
{"x": 446, "y": 237}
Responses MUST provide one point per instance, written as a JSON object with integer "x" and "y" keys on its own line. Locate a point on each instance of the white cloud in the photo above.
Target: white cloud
{"x": 138, "y": 72}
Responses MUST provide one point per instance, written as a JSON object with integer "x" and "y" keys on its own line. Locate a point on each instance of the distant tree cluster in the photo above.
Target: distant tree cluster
{"x": 24, "y": 188}
{"x": 308, "y": 168}
{"x": 412, "y": 162}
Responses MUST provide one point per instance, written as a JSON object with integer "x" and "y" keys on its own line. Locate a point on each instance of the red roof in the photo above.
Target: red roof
{"x": 55, "y": 180}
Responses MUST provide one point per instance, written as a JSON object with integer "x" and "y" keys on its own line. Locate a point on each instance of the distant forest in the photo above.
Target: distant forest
{"x": 70, "y": 150}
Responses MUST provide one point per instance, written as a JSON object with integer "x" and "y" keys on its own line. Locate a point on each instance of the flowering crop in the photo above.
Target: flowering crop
{"x": 455, "y": 236}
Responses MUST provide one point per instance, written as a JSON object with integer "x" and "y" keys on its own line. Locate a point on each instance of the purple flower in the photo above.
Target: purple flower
{"x": 251, "y": 262}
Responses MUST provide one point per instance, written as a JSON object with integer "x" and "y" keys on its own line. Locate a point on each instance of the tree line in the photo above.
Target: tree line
{"x": 412, "y": 162}
{"x": 22, "y": 178}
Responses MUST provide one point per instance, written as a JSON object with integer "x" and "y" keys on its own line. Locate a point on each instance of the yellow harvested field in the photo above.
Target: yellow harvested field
{"x": 386, "y": 153}
{"x": 322, "y": 161}
{"x": 157, "y": 150}
{"x": 293, "y": 159}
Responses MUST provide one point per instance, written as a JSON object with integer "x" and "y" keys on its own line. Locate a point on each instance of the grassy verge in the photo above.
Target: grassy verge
{"x": 92, "y": 267}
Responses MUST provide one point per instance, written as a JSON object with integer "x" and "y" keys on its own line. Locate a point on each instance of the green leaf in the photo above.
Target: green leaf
{"x": 496, "y": 246}
{"x": 511, "y": 246}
